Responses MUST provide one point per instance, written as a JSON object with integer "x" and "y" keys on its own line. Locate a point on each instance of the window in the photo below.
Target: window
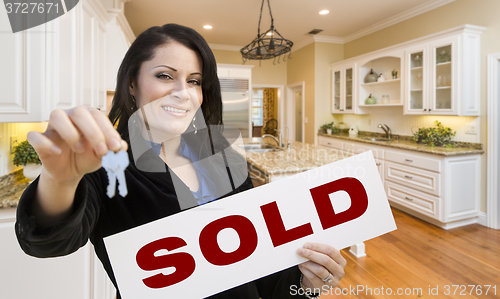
{"x": 257, "y": 109}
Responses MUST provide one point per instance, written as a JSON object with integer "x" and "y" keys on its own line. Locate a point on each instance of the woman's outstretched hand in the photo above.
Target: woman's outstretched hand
{"x": 325, "y": 264}
{"x": 74, "y": 143}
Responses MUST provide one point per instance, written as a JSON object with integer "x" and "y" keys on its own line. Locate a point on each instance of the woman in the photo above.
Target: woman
{"x": 169, "y": 76}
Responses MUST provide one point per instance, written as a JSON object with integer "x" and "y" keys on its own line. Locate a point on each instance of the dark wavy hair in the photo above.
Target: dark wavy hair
{"x": 143, "y": 49}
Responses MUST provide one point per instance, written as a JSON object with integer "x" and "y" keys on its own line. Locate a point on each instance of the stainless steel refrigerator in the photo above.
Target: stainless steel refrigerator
{"x": 236, "y": 104}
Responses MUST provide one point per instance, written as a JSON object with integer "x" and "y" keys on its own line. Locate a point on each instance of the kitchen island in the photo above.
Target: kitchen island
{"x": 273, "y": 165}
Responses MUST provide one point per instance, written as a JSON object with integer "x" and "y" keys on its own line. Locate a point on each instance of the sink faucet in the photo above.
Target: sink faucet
{"x": 279, "y": 141}
{"x": 288, "y": 143}
{"x": 387, "y": 130}
{"x": 275, "y": 139}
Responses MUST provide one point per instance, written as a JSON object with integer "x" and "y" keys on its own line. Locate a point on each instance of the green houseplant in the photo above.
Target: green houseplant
{"x": 25, "y": 154}
{"x": 438, "y": 136}
{"x": 329, "y": 128}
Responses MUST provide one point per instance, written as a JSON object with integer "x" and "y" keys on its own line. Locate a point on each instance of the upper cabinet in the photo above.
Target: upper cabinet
{"x": 437, "y": 74}
{"x": 387, "y": 90}
{"x": 343, "y": 82}
{"x": 62, "y": 63}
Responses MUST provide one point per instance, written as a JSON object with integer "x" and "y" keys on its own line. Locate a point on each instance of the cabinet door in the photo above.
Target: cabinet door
{"x": 23, "y": 62}
{"x": 416, "y": 80}
{"x": 443, "y": 76}
{"x": 62, "y": 61}
{"x": 336, "y": 91}
{"x": 348, "y": 99}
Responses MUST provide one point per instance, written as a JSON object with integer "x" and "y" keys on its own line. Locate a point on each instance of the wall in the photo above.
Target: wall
{"x": 324, "y": 55}
{"x": 482, "y": 13}
{"x": 301, "y": 68}
{"x": 266, "y": 73}
{"x": 14, "y": 129}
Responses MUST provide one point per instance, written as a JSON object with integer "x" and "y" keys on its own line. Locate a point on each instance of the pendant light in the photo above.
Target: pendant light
{"x": 267, "y": 45}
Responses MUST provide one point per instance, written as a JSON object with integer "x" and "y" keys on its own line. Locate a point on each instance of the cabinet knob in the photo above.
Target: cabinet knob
{"x": 410, "y": 199}
{"x": 425, "y": 109}
{"x": 408, "y": 160}
{"x": 408, "y": 177}
{"x": 378, "y": 163}
{"x": 329, "y": 143}
{"x": 429, "y": 110}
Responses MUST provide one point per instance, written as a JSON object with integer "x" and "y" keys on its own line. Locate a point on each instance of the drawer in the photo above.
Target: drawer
{"x": 422, "y": 180}
{"x": 414, "y": 160}
{"x": 330, "y": 142}
{"x": 358, "y": 148}
{"x": 417, "y": 201}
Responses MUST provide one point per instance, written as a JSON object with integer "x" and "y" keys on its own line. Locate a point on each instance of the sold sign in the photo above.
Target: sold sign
{"x": 217, "y": 246}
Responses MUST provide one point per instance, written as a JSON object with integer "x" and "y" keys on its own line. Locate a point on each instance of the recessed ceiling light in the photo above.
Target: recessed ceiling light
{"x": 207, "y": 27}
{"x": 324, "y": 12}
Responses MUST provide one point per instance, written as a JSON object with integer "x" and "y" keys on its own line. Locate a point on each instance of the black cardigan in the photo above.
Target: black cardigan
{"x": 151, "y": 196}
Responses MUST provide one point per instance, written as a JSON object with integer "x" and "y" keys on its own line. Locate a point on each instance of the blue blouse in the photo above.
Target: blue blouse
{"x": 205, "y": 192}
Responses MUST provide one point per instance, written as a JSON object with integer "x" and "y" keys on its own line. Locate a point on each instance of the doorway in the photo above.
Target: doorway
{"x": 266, "y": 109}
{"x": 295, "y": 111}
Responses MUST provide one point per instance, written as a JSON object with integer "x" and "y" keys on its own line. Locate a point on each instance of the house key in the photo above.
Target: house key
{"x": 115, "y": 165}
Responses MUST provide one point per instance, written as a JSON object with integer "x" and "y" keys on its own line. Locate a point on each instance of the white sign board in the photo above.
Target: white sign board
{"x": 253, "y": 233}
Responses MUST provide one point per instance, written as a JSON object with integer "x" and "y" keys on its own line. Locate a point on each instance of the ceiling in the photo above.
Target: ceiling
{"x": 235, "y": 22}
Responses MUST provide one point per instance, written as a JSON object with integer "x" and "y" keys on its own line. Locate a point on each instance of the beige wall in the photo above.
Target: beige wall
{"x": 301, "y": 69}
{"x": 324, "y": 54}
{"x": 482, "y": 13}
{"x": 266, "y": 73}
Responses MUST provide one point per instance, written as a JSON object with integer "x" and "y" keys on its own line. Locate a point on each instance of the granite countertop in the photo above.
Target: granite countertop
{"x": 405, "y": 142}
{"x": 11, "y": 188}
{"x": 300, "y": 157}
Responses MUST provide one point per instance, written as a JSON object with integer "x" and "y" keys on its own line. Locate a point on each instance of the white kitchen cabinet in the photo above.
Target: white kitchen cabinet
{"x": 443, "y": 72}
{"x": 384, "y": 64}
{"x": 343, "y": 91}
{"x": 442, "y": 190}
{"x": 438, "y": 74}
{"x": 22, "y": 57}
{"x": 57, "y": 65}
{"x": 79, "y": 275}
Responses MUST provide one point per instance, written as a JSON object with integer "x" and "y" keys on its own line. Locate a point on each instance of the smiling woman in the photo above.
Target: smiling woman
{"x": 168, "y": 111}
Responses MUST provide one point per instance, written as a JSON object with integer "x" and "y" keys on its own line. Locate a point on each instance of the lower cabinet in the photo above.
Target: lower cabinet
{"x": 442, "y": 190}
{"x": 79, "y": 275}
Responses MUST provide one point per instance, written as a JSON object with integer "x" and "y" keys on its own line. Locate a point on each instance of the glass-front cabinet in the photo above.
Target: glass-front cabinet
{"x": 444, "y": 76}
{"x": 336, "y": 91}
{"x": 343, "y": 91}
{"x": 431, "y": 78}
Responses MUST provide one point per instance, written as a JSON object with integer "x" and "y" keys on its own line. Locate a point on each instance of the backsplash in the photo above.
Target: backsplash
{"x": 407, "y": 124}
{"x": 14, "y": 129}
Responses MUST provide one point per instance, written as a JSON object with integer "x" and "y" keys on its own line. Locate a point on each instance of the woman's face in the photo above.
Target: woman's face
{"x": 168, "y": 89}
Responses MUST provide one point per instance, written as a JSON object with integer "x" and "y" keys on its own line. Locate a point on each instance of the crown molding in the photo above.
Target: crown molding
{"x": 125, "y": 26}
{"x": 225, "y": 47}
{"x": 423, "y": 8}
{"x": 328, "y": 39}
{"x": 303, "y": 43}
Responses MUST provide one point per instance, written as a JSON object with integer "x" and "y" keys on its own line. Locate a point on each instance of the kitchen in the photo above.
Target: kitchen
{"x": 311, "y": 67}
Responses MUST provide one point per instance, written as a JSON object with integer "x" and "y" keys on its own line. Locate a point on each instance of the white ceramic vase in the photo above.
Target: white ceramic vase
{"x": 32, "y": 170}
{"x": 329, "y": 131}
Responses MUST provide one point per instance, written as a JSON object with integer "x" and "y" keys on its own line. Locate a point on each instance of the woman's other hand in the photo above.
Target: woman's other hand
{"x": 323, "y": 261}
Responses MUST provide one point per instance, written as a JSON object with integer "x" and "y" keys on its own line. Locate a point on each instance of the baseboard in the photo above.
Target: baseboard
{"x": 482, "y": 219}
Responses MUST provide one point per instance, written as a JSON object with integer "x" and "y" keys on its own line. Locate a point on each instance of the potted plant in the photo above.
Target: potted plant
{"x": 439, "y": 136}
{"x": 394, "y": 74}
{"x": 25, "y": 154}
{"x": 329, "y": 128}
